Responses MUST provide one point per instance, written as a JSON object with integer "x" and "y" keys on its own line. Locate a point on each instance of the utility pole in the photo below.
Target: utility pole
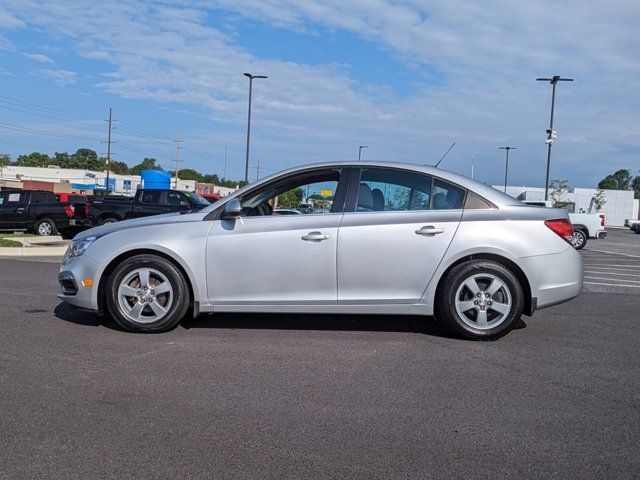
{"x": 551, "y": 135}
{"x": 178, "y": 142}
{"x": 360, "y": 151}
{"x": 108, "y": 151}
{"x": 246, "y": 165}
{"x": 257, "y": 167}
{"x": 473, "y": 166}
{"x": 506, "y": 167}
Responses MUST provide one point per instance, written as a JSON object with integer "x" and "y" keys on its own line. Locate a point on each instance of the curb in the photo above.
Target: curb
{"x": 32, "y": 251}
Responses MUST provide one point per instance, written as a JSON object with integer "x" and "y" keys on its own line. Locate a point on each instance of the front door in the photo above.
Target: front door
{"x": 274, "y": 254}
{"x": 390, "y": 245}
{"x": 13, "y": 210}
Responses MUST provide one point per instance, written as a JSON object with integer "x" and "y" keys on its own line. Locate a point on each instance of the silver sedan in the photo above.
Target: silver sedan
{"x": 383, "y": 238}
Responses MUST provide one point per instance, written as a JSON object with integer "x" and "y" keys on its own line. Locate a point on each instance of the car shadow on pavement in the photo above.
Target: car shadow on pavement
{"x": 328, "y": 322}
{"x": 275, "y": 321}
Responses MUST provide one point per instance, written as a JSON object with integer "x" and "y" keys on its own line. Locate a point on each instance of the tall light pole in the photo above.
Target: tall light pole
{"x": 360, "y": 151}
{"x": 551, "y": 135}
{"x": 246, "y": 165}
{"x": 506, "y": 166}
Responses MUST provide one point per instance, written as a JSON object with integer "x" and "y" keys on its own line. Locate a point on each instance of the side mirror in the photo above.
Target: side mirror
{"x": 232, "y": 209}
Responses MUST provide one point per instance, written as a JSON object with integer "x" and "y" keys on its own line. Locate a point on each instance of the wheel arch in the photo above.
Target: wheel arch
{"x": 529, "y": 302}
{"x": 113, "y": 264}
{"x": 579, "y": 226}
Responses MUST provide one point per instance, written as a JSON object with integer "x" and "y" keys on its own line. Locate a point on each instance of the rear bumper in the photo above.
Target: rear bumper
{"x": 554, "y": 278}
{"x": 601, "y": 234}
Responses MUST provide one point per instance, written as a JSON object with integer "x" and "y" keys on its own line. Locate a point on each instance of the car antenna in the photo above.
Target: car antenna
{"x": 445, "y": 154}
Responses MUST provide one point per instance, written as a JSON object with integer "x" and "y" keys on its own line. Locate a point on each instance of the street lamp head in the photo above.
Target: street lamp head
{"x": 248, "y": 75}
{"x": 251, "y": 77}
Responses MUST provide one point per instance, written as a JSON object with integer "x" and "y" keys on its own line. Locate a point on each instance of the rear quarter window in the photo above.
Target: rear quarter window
{"x": 476, "y": 202}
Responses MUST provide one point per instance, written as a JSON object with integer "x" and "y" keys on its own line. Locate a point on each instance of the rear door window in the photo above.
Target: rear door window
{"x": 447, "y": 196}
{"x": 151, "y": 197}
{"x": 393, "y": 190}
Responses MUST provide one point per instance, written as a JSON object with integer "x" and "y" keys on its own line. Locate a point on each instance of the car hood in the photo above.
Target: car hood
{"x": 164, "y": 219}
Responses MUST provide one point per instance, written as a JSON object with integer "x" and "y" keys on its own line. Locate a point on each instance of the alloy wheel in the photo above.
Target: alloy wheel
{"x": 483, "y": 301}
{"x": 145, "y": 295}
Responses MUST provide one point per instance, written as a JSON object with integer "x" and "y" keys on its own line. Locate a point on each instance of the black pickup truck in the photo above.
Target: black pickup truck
{"x": 109, "y": 209}
{"x": 39, "y": 211}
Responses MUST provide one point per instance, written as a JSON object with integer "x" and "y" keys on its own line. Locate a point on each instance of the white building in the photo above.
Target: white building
{"x": 84, "y": 179}
{"x": 620, "y": 204}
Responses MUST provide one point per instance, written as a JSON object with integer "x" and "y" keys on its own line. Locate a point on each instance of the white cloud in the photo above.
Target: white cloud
{"x": 9, "y": 21}
{"x": 486, "y": 58}
{"x": 38, "y": 57}
{"x": 60, "y": 77}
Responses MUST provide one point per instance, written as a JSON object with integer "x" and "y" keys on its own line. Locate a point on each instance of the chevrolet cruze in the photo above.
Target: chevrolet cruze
{"x": 382, "y": 238}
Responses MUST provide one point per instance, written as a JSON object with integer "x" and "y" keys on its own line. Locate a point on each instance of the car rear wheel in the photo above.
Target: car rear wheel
{"x": 579, "y": 239}
{"x": 480, "y": 300}
{"x": 147, "y": 293}
{"x": 45, "y": 227}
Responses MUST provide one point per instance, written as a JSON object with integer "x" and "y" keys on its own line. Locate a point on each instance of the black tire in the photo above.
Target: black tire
{"x": 179, "y": 295}
{"x": 579, "y": 239}
{"x": 445, "y": 307}
{"x": 45, "y": 227}
{"x": 108, "y": 220}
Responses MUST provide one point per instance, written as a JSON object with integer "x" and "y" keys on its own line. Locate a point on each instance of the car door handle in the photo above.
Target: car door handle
{"x": 429, "y": 231}
{"x": 315, "y": 237}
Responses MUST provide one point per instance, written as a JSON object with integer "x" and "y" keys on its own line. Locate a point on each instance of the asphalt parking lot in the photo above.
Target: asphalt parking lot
{"x": 299, "y": 396}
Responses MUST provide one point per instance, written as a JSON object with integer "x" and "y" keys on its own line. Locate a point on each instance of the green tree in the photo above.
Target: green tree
{"x": 86, "y": 159}
{"x": 559, "y": 189}
{"x": 118, "y": 167}
{"x": 636, "y": 187}
{"x": 5, "y": 160}
{"x": 149, "y": 163}
{"x": 290, "y": 199}
{"x": 599, "y": 200}
{"x": 620, "y": 180}
{"x": 189, "y": 174}
{"x": 35, "y": 159}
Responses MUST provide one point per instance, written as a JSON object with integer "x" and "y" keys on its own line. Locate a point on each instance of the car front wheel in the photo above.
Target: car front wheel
{"x": 480, "y": 300}
{"x": 147, "y": 293}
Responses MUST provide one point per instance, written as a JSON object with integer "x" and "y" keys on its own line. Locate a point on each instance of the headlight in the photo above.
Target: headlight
{"x": 78, "y": 247}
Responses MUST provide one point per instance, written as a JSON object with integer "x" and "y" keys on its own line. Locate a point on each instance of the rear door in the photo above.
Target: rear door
{"x": 391, "y": 242}
{"x": 175, "y": 202}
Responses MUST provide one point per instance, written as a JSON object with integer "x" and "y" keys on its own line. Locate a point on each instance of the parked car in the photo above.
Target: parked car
{"x": 634, "y": 225}
{"x": 107, "y": 209}
{"x": 210, "y": 197}
{"x": 39, "y": 211}
{"x": 305, "y": 208}
{"x": 585, "y": 225}
{"x": 286, "y": 211}
{"x": 399, "y": 239}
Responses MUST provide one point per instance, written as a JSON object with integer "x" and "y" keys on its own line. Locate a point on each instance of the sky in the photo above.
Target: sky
{"x": 406, "y": 78}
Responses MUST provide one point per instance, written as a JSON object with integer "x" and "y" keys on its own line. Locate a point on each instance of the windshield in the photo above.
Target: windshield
{"x": 197, "y": 199}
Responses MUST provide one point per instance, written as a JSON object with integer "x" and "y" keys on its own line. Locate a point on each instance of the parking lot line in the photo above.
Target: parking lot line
{"x": 613, "y": 253}
{"x": 612, "y": 284}
{"x": 611, "y": 273}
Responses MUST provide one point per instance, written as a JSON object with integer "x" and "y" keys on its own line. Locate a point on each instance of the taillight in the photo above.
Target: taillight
{"x": 601, "y": 219}
{"x": 561, "y": 227}
{"x": 69, "y": 210}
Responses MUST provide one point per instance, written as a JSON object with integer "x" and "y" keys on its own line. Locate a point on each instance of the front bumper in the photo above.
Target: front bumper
{"x": 80, "y": 222}
{"x": 79, "y": 282}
